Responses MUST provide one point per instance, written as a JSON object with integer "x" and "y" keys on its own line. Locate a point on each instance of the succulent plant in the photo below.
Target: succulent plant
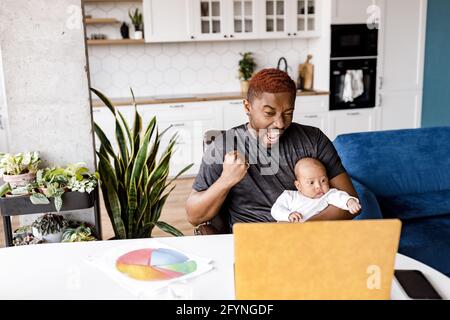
{"x": 14, "y": 164}
{"x": 50, "y": 223}
{"x": 78, "y": 234}
{"x": 25, "y": 239}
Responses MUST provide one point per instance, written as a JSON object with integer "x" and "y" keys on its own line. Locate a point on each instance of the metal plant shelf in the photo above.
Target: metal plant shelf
{"x": 20, "y": 205}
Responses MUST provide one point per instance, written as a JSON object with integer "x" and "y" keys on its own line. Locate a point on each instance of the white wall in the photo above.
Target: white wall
{"x": 192, "y": 67}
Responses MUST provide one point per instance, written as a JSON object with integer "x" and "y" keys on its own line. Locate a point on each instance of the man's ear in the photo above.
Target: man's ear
{"x": 246, "y": 106}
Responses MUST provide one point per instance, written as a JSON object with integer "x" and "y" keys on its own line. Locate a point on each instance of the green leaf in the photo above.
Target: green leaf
{"x": 120, "y": 137}
{"x": 58, "y": 203}
{"x": 169, "y": 229}
{"x": 4, "y": 189}
{"x": 39, "y": 198}
{"x": 105, "y": 100}
{"x": 104, "y": 140}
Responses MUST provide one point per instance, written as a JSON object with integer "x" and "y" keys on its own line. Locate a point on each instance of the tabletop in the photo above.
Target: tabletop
{"x": 62, "y": 271}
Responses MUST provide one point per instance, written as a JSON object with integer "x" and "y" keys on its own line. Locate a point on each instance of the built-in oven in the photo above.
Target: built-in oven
{"x": 353, "y": 66}
{"x": 353, "y": 83}
{"x": 353, "y": 40}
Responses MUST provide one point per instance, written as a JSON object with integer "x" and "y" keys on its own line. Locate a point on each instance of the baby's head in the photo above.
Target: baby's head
{"x": 311, "y": 178}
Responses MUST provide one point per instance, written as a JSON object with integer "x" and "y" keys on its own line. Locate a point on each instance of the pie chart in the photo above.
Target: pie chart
{"x": 155, "y": 264}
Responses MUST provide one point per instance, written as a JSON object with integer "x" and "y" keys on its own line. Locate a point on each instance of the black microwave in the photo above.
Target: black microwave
{"x": 353, "y": 40}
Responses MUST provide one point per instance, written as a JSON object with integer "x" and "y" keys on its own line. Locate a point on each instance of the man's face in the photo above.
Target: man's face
{"x": 269, "y": 115}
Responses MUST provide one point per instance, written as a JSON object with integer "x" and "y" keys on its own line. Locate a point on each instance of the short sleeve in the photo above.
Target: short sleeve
{"x": 327, "y": 154}
{"x": 210, "y": 168}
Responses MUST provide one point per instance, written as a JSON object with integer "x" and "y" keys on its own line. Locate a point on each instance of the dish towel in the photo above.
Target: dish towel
{"x": 353, "y": 85}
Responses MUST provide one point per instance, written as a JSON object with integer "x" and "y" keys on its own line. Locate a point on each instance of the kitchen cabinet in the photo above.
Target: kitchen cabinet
{"x": 356, "y": 11}
{"x": 401, "y": 63}
{"x": 318, "y": 120}
{"x": 233, "y": 114}
{"x": 349, "y": 121}
{"x": 167, "y": 21}
{"x": 206, "y": 20}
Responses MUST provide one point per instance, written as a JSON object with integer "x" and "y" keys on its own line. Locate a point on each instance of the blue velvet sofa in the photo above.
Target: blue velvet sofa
{"x": 405, "y": 174}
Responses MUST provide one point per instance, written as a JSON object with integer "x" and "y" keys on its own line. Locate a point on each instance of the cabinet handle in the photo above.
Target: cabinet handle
{"x": 379, "y": 100}
{"x": 176, "y": 106}
{"x": 352, "y": 113}
{"x": 236, "y": 102}
{"x": 231, "y": 36}
{"x": 289, "y": 33}
{"x": 178, "y": 125}
{"x": 294, "y": 34}
{"x": 380, "y": 79}
{"x": 192, "y": 37}
{"x": 1, "y": 123}
{"x": 311, "y": 116}
{"x": 225, "y": 36}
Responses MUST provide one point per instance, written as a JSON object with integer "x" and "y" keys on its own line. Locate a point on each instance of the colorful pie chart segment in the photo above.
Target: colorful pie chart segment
{"x": 155, "y": 264}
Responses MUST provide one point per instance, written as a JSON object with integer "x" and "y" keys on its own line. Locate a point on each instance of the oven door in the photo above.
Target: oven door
{"x": 352, "y": 83}
{"x": 353, "y": 40}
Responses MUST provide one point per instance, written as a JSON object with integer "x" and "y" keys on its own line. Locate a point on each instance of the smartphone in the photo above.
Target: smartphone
{"x": 416, "y": 285}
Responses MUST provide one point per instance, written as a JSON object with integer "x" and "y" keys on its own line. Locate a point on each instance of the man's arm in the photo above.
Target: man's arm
{"x": 340, "y": 182}
{"x": 202, "y": 206}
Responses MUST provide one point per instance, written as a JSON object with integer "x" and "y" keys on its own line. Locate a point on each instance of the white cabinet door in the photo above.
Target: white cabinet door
{"x": 167, "y": 21}
{"x": 401, "y": 110}
{"x": 349, "y": 121}
{"x": 402, "y": 43}
{"x": 241, "y": 21}
{"x": 209, "y": 19}
{"x": 304, "y": 20}
{"x": 311, "y": 104}
{"x": 233, "y": 114}
{"x": 355, "y": 11}
{"x": 318, "y": 120}
{"x": 275, "y": 18}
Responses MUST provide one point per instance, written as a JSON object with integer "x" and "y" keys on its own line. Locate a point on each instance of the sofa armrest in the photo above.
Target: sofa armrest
{"x": 368, "y": 201}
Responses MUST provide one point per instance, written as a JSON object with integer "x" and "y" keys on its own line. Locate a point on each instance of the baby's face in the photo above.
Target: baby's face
{"x": 312, "y": 181}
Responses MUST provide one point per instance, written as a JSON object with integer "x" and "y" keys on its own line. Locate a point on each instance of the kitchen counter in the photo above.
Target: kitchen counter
{"x": 190, "y": 98}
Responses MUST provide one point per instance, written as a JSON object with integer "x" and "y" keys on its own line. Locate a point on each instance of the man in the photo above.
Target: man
{"x": 243, "y": 172}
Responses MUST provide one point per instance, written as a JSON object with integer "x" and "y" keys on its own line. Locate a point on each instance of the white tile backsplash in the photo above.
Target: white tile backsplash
{"x": 188, "y": 67}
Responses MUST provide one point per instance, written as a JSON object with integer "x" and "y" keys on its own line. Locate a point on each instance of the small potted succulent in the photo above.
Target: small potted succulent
{"x": 19, "y": 169}
{"x": 49, "y": 227}
{"x": 247, "y": 66}
{"x": 136, "y": 20}
{"x": 78, "y": 233}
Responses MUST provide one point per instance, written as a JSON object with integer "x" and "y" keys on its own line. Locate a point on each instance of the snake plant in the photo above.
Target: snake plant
{"x": 134, "y": 181}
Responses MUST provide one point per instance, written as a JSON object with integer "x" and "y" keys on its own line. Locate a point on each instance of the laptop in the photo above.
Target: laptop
{"x": 331, "y": 260}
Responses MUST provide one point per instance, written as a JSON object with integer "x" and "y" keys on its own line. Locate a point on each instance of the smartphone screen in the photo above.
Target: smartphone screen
{"x": 416, "y": 284}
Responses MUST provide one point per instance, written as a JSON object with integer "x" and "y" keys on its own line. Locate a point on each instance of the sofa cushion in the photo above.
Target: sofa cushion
{"x": 427, "y": 240}
{"x": 418, "y": 205}
{"x": 398, "y": 162}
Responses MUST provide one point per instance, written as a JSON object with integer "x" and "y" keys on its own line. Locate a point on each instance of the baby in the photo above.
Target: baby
{"x": 313, "y": 195}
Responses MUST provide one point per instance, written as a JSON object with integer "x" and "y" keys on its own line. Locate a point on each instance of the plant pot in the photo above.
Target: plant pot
{"x": 19, "y": 180}
{"x": 138, "y": 35}
{"x": 244, "y": 86}
{"x": 51, "y": 238}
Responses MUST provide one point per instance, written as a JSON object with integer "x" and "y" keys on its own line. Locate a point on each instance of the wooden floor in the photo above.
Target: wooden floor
{"x": 173, "y": 213}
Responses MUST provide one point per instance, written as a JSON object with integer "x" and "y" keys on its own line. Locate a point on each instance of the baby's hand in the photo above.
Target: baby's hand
{"x": 295, "y": 217}
{"x": 353, "y": 206}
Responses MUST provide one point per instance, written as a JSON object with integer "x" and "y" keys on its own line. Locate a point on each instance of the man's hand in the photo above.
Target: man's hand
{"x": 295, "y": 217}
{"x": 353, "y": 206}
{"x": 234, "y": 168}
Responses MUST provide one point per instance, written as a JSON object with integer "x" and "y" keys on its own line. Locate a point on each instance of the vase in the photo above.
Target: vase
{"x": 138, "y": 35}
{"x": 125, "y": 31}
{"x": 244, "y": 86}
{"x": 19, "y": 180}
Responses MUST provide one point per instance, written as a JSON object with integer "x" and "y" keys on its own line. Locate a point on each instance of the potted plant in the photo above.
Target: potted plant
{"x": 49, "y": 227}
{"x": 134, "y": 181}
{"x": 246, "y": 68}
{"x": 136, "y": 20}
{"x": 78, "y": 233}
{"x": 53, "y": 182}
{"x": 19, "y": 169}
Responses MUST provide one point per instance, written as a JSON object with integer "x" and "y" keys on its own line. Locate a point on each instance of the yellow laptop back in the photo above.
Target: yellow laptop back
{"x": 315, "y": 260}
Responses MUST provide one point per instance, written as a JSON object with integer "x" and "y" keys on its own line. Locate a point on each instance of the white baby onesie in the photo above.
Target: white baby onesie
{"x": 293, "y": 201}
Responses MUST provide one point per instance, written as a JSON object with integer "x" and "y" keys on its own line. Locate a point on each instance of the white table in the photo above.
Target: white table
{"x": 60, "y": 271}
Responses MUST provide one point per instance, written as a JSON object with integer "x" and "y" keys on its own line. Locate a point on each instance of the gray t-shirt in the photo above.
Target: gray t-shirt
{"x": 271, "y": 171}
